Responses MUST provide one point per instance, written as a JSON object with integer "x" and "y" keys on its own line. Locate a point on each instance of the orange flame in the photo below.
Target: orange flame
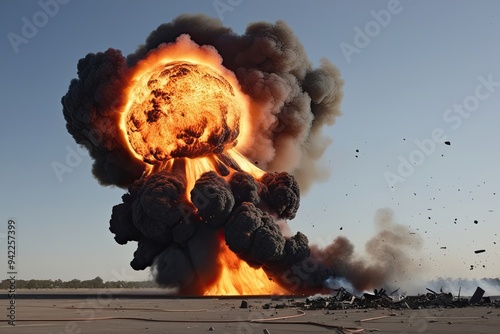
{"x": 238, "y": 278}
{"x": 175, "y": 126}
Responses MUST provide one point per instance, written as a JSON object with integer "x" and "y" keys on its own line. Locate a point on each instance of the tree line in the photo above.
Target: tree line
{"x": 96, "y": 283}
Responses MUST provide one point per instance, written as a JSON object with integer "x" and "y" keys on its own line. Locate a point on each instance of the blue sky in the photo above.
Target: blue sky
{"x": 399, "y": 87}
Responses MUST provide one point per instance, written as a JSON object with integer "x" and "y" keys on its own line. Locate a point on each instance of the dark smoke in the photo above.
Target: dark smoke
{"x": 179, "y": 236}
{"x": 221, "y": 203}
{"x": 282, "y": 193}
{"x": 388, "y": 255}
{"x": 90, "y": 107}
{"x": 177, "y": 229}
{"x": 295, "y": 101}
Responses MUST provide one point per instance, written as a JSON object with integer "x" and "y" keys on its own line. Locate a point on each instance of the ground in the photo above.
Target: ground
{"x": 148, "y": 311}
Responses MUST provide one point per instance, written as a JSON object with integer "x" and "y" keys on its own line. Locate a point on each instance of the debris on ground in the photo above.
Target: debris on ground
{"x": 341, "y": 299}
{"x": 476, "y": 297}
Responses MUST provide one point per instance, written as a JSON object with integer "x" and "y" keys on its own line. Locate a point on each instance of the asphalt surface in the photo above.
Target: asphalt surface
{"x": 152, "y": 312}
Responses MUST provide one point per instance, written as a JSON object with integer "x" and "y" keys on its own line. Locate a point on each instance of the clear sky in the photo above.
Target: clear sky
{"x": 428, "y": 73}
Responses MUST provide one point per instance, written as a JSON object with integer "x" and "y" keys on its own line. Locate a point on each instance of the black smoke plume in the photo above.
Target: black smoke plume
{"x": 177, "y": 229}
{"x": 271, "y": 65}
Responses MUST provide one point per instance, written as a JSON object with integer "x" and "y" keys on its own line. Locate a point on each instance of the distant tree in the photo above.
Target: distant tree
{"x": 5, "y": 284}
{"x": 97, "y": 283}
{"x": 58, "y": 283}
{"x": 73, "y": 284}
{"x": 21, "y": 284}
{"x": 32, "y": 284}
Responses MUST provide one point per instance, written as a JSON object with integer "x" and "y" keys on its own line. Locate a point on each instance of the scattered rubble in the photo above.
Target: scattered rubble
{"x": 341, "y": 299}
{"x": 476, "y": 297}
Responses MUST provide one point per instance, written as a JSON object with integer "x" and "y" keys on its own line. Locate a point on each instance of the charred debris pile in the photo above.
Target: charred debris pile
{"x": 341, "y": 299}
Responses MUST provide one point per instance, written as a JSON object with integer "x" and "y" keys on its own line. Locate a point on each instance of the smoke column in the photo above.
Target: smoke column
{"x": 178, "y": 228}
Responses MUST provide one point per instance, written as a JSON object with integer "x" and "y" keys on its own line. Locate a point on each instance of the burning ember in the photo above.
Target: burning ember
{"x": 205, "y": 129}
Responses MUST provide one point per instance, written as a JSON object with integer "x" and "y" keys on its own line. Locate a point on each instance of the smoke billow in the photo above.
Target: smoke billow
{"x": 387, "y": 260}
{"x": 292, "y": 101}
{"x": 465, "y": 287}
{"x": 177, "y": 225}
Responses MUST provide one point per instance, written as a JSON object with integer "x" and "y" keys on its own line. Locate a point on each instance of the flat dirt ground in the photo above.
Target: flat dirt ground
{"x": 110, "y": 312}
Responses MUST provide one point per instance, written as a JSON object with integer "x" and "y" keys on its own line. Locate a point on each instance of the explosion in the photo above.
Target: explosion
{"x": 212, "y": 133}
